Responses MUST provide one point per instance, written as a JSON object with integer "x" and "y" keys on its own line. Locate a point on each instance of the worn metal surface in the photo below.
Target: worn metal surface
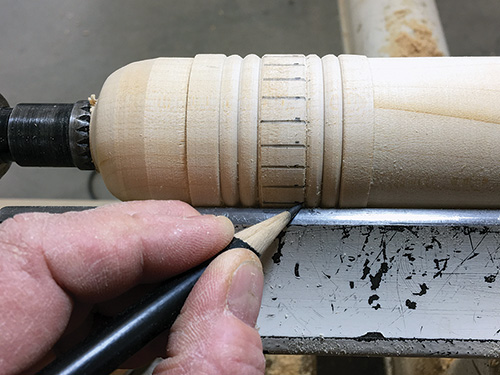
{"x": 423, "y": 283}
{"x": 379, "y": 282}
{"x": 364, "y": 216}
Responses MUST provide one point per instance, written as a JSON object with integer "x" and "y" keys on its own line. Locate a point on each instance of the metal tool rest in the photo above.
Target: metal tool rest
{"x": 385, "y": 282}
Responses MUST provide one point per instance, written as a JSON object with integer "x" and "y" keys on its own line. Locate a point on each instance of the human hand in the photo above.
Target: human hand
{"x": 58, "y": 271}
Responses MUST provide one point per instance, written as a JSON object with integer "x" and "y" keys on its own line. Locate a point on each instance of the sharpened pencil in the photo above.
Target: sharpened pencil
{"x": 104, "y": 351}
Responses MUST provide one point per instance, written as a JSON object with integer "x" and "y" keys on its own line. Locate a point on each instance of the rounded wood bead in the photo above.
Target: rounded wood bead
{"x": 347, "y": 131}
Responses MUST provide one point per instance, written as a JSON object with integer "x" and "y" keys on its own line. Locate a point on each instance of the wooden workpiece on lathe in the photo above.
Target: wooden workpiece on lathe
{"x": 345, "y": 131}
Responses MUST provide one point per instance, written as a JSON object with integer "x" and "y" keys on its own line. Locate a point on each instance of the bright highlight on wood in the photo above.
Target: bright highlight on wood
{"x": 345, "y": 131}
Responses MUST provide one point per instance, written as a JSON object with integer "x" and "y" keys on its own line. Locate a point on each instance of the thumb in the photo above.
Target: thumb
{"x": 215, "y": 332}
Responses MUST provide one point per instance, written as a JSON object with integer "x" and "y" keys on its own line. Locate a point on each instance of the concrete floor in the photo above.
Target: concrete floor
{"x": 63, "y": 50}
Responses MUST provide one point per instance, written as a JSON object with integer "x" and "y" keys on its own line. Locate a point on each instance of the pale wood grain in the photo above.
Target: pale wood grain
{"x": 333, "y": 132}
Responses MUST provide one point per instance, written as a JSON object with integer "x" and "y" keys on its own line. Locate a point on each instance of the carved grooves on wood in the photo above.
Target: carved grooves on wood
{"x": 219, "y": 130}
{"x": 331, "y": 132}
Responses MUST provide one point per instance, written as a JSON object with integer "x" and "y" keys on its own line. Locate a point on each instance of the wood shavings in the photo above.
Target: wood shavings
{"x": 92, "y": 101}
{"x": 409, "y": 37}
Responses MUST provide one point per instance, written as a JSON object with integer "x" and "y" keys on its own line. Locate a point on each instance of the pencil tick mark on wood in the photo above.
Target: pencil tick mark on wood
{"x": 284, "y": 97}
{"x": 283, "y": 79}
{"x": 295, "y": 120}
{"x": 283, "y": 145}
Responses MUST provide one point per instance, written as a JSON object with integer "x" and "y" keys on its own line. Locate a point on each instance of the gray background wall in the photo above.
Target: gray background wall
{"x": 63, "y": 50}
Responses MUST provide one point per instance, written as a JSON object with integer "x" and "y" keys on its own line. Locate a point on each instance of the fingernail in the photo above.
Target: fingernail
{"x": 226, "y": 224}
{"x": 245, "y": 292}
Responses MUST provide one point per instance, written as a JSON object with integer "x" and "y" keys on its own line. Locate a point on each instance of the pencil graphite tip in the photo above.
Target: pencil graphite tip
{"x": 294, "y": 211}
{"x": 261, "y": 235}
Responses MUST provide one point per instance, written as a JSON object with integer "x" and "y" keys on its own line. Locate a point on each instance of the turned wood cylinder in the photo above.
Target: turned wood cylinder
{"x": 347, "y": 131}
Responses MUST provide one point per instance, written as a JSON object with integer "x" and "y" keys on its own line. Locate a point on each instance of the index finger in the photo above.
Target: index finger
{"x": 99, "y": 254}
{"x": 48, "y": 260}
